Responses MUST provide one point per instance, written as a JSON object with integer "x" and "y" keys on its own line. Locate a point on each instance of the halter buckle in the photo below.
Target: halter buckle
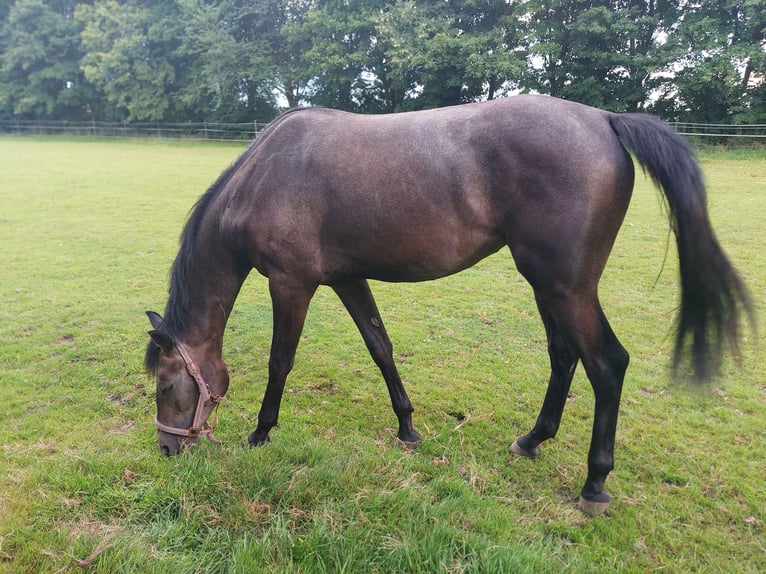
{"x": 193, "y": 369}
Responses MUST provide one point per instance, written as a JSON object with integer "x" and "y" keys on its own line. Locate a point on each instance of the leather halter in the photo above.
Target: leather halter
{"x": 198, "y": 428}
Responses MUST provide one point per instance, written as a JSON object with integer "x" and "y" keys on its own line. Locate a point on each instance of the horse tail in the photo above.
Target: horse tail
{"x": 713, "y": 296}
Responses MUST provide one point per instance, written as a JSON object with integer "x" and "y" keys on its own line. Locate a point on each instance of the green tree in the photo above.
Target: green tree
{"x": 340, "y": 60}
{"x": 432, "y": 54}
{"x": 496, "y": 58}
{"x": 238, "y": 60}
{"x": 131, "y": 56}
{"x": 228, "y": 70}
{"x": 5, "y": 8}
{"x": 280, "y": 57}
{"x": 40, "y": 62}
{"x": 599, "y": 52}
{"x": 246, "y": 56}
{"x": 400, "y": 30}
{"x": 720, "y": 77}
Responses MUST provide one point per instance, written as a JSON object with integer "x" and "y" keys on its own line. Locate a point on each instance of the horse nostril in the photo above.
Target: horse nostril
{"x": 168, "y": 450}
{"x": 168, "y": 443}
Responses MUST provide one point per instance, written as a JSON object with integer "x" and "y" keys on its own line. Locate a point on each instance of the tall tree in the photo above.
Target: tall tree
{"x": 131, "y": 56}
{"x": 720, "y": 76}
{"x": 238, "y": 60}
{"x": 598, "y": 52}
{"x": 333, "y": 37}
{"x": 228, "y": 72}
{"x": 494, "y": 34}
{"x": 250, "y": 55}
{"x": 436, "y": 53}
{"x": 40, "y": 62}
{"x": 281, "y": 52}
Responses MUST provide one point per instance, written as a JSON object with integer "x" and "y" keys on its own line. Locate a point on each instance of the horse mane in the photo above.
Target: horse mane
{"x": 177, "y": 307}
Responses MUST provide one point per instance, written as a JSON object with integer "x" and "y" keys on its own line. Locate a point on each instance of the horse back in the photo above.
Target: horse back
{"x": 419, "y": 195}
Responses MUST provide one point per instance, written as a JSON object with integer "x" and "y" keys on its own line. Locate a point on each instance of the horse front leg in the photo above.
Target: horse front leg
{"x": 290, "y": 301}
{"x": 358, "y": 300}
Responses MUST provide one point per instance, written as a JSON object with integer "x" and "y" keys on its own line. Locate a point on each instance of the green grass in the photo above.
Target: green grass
{"x": 88, "y": 230}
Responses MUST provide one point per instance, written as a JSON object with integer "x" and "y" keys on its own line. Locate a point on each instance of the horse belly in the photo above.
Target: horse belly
{"x": 415, "y": 248}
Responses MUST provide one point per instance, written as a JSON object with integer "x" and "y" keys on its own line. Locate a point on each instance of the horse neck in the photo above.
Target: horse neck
{"x": 203, "y": 289}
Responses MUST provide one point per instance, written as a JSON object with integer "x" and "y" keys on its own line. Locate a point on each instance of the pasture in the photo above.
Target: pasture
{"x": 88, "y": 230}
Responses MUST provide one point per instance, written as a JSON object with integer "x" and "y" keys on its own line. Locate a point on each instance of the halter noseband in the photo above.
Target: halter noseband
{"x": 198, "y": 428}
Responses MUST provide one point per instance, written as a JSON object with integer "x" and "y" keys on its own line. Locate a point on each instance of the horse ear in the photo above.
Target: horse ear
{"x": 154, "y": 318}
{"x": 162, "y": 340}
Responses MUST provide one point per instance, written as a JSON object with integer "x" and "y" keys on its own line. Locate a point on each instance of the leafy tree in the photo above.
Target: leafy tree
{"x": 131, "y": 56}
{"x": 496, "y": 59}
{"x": 431, "y": 54}
{"x": 281, "y": 52}
{"x": 238, "y": 60}
{"x": 338, "y": 34}
{"x": 401, "y": 28}
{"x": 40, "y": 62}
{"x": 720, "y": 77}
{"x": 210, "y": 56}
{"x": 227, "y": 72}
{"x": 599, "y": 52}
{"x": 250, "y": 51}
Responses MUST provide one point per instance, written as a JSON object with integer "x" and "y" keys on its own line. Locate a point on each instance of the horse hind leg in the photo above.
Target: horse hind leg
{"x": 563, "y": 358}
{"x": 358, "y": 300}
{"x": 583, "y": 324}
{"x": 290, "y": 301}
{"x": 577, "y": 327}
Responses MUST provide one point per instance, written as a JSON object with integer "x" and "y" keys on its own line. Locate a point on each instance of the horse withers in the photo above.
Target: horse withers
{"x": 324, "y": 197}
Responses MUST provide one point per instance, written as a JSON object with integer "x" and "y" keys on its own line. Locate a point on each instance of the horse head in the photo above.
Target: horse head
{"x": 188, "y": 391}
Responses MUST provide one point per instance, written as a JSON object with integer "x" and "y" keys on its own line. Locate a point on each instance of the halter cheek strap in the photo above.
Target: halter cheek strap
{"x": 198, "y": 427}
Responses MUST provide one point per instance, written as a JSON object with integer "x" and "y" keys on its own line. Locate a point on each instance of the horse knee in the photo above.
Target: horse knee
{"x": 381, "y": 347}
{"x": 563, "y": 360}
{"x": 280, "y": 367}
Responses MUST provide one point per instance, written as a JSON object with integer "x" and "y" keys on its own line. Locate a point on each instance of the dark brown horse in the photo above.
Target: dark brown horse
{"x": 330, "y": 198}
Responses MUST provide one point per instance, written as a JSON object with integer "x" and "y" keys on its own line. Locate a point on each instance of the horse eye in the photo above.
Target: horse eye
{"x": 164, "y": 389}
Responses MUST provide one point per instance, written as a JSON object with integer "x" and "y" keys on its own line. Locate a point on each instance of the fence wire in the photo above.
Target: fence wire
{"x": 187, "y": 130}
{"x": 748, "y": 131}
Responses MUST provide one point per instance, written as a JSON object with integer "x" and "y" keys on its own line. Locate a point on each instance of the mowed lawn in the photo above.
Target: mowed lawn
{"x": 88, "y": 230}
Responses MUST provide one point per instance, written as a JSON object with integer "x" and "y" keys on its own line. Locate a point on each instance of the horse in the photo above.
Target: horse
{"x": 325, "y": 197}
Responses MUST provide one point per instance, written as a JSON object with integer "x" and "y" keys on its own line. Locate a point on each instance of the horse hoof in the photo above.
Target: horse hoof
{"x": 408, "y": 445}
{"x": 591, "y": 507}
{"x": 515, "y": 448}
{"x": 255, "y": 440}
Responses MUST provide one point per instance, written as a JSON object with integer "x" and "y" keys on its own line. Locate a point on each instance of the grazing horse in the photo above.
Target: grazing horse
{"x": 324, "y": 197}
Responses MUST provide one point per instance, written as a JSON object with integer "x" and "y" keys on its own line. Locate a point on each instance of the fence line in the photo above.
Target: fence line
{"x": 189, "y": 130}
{"x": 721, "y": 130}
{"x": 246, "y": 131}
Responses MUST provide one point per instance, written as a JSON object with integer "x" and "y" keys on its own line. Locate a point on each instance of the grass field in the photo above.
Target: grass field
{"x": 88, "y": 230}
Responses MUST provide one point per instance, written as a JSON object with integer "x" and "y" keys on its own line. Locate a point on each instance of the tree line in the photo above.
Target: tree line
{"x": 243, "y": 60}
